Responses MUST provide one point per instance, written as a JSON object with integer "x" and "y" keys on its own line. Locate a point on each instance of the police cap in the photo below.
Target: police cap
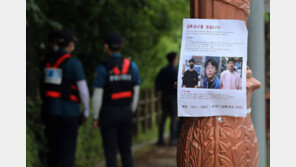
{"x": 113, "y": 40}
{"x": 65, "y": 37}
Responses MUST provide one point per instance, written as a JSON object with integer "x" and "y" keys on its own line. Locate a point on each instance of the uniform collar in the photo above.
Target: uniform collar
{"x": 63, "y": 51}
{"x": 115, "y": 55}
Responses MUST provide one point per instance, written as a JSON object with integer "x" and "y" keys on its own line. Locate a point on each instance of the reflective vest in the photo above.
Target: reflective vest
{"x": 118, "y": 89}
{"x": 56, "y": 84}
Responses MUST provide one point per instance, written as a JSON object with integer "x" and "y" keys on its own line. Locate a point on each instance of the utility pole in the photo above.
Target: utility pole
{"x": 256, "y": 61}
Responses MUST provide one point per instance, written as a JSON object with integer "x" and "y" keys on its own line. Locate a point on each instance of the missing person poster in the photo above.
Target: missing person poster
{"x": 212, "y": 68}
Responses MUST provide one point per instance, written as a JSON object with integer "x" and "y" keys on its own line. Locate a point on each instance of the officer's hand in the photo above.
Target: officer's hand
{"x": 95, "y": 124}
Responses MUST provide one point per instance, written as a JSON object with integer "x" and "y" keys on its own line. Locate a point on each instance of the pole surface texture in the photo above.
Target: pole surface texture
{"x": 220, "y": 141}
{"x": 256, "y": 61}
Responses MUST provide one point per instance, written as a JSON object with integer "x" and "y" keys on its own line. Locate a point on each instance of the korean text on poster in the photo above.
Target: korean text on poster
{"x": 212, "y": 68}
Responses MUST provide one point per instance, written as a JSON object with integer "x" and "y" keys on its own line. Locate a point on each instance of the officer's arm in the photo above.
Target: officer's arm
{"x": 84, "y": 95}
{"x": 137, "y": 81}
{"x": 98, "y": 85}
{"x": 135, "y": 97}
{"x": 81, "y": 85}
{"x": 97, "y": 100}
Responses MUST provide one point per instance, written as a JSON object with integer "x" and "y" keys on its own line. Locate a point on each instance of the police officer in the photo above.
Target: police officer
{"x": 164, "y": 83}
{"x": 64, "y": 86}
{"x": 115, "y": 96}
{"x": 190, "y": 78}
{"x": 52, "y": 51}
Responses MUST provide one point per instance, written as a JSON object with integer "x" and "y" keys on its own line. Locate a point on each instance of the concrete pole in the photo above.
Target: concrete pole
{"x": 256, "y": 62}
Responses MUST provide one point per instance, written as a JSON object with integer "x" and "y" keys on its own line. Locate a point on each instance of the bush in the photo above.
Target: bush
{"x": 89, "y": 144}
{"x": 35, "y": 139}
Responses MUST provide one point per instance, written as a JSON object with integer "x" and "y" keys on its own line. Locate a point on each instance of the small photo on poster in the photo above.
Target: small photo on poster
{"x": 212, "y": 72}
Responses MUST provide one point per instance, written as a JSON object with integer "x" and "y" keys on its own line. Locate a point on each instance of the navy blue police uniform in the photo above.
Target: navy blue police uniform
{"x": 164, "y": 82}
{"x": 61, "y": 105}
{"x": 117, "y": 76}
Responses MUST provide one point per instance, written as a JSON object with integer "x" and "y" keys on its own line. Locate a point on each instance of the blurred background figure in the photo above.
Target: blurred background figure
{"x": 164, "y": 84}
{"x": 115, "y": 97}
{"x": 63, "y": 87}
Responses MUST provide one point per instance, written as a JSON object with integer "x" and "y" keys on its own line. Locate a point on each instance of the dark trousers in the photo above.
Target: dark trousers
{"x": 62, "y": 136}
{"x": 169, "y": 108}
{"x": 116, "y": 124}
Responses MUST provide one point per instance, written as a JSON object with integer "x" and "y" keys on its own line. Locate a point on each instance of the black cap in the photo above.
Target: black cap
{"x": 113, "y": 40}
{"x": 192, "y": 60}
{"x": 65, "y": 37}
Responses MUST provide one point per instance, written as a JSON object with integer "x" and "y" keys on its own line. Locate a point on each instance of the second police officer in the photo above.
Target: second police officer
{"x": 115, "y": 96}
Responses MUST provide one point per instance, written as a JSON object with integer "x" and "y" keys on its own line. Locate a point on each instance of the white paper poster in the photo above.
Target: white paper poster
{"x": 212, "y": 68}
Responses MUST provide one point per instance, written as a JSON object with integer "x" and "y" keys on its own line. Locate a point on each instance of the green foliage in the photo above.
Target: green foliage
{"x": 89, "y": 145}
{"x": 39, "y": 16}
{"x": 267, "y": 17}
{"x": 35, "y": 139}
{"x": 31, "y": 150}
{"x": 150, "y": 29}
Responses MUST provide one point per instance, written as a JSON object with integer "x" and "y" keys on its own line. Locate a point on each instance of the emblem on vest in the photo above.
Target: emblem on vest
{"x": 53, "y": 76}
{"x": 122, "y": 77}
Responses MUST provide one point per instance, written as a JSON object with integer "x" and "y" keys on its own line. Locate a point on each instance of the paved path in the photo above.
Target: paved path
{"x": 157, "y": 157}
{"x": 150, "y": 155}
